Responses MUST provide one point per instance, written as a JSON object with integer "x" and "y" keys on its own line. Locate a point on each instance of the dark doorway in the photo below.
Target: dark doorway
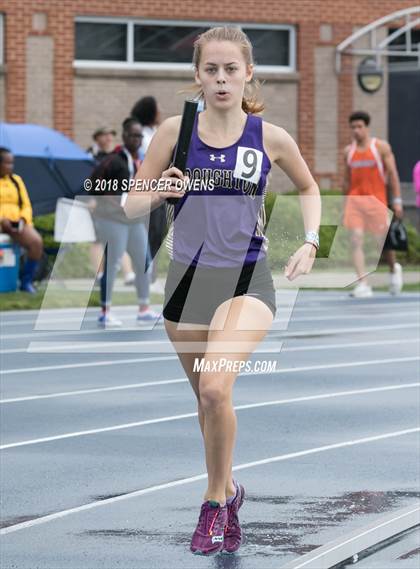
{"x": 404, "y": 111}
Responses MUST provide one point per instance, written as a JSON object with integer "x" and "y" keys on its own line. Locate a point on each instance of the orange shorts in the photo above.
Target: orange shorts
{"x": 367, "y": 213}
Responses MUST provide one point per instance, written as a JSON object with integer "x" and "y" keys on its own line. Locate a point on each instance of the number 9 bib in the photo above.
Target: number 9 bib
{"x": 248, "y": 164}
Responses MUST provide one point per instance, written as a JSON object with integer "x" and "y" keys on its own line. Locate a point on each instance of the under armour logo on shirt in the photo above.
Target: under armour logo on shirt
{"x": 222, "y": 157}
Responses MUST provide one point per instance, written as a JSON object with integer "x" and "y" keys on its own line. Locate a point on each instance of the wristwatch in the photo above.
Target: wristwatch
{"x": 313, "y": 238}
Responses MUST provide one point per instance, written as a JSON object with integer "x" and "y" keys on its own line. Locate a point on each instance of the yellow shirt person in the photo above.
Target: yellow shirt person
{"x": 14, "y": 199}
{"x": 16, "y": 218}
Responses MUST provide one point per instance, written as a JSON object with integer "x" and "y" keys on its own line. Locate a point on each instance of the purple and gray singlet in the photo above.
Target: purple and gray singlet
{"x": 220, "y": 220}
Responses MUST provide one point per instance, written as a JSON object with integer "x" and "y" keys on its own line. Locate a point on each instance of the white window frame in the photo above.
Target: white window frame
{"x": 131, "y": 64}
{"x": 1, "y": 39}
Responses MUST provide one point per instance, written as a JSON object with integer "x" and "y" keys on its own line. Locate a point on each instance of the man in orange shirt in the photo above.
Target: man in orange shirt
{"x": 16, "y": 218}
{"x": 369, "y": 164}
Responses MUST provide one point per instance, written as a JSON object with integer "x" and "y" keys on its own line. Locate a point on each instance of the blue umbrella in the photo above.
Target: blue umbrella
{"x": 51, "y": 165}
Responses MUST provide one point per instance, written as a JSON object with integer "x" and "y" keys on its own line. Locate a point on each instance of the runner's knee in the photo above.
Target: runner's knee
{"x": 213, "y": 394}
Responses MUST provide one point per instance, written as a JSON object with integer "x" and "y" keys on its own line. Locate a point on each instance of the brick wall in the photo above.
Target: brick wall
{"x": 326, "y": 100}
{"x": 39, "y": 80}
{"x": 107, "y": 100}
{"x": 281, "y": 100}
{"x": 345, "y": 102}
{"x": 2, "y": 97}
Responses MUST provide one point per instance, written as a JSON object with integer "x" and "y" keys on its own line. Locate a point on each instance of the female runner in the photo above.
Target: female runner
{"x": 219, "y": 294}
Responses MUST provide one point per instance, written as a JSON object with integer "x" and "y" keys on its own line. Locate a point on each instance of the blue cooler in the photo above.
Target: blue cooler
{"x": 9, "y": 264}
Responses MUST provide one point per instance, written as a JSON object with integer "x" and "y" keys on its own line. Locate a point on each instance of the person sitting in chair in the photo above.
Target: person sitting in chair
{"x": 16, "y": 218}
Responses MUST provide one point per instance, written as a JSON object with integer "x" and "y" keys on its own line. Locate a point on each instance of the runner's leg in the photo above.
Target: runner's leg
{"x": 196, "y": 336}
{"x": 216, "y": 386}
{"x": 187, "y": 360}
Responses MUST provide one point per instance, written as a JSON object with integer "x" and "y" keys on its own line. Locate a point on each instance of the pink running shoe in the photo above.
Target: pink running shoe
{"x": 233, "y": 530}
{"x": 208, "y": 536}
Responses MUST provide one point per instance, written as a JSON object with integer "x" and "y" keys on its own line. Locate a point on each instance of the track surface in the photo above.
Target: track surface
{"x": 338, "y": 447}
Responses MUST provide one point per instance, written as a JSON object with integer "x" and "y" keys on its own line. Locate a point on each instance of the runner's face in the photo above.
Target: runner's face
{"x": 222, "y": 74}
{"x": 6, "y": 164}
{"x": 359, "y": 130}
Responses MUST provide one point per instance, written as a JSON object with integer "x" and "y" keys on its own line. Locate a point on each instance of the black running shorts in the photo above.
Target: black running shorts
{"x": 212, "y": 287}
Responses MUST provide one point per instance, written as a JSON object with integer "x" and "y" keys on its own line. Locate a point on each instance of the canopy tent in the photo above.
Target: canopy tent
{"x": 51, "y": 165}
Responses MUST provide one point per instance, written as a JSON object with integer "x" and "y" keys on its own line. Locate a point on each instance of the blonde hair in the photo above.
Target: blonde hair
{"x": 250, "y": 102}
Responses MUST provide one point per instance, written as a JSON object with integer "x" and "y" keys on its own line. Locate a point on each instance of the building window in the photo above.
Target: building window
{"x": 101, "y": 41}
{"x": 159, "y": 43}
{"x": 271, "y": 47}
{"x": 1, "y": 39}
{"x": 405, "y": 43}
{"x": 165, "y": 44}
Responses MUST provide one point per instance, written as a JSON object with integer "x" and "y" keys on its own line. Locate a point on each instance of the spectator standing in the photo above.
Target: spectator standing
{"x": 118, "y": 233}
{"x": 104, "y": 143}
{"x": 369, "y": 164}
{"x": 103, "y": 146}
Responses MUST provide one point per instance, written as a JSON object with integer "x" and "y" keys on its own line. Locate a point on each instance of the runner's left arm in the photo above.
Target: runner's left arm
{"x": 287, "y": 156}
{"x": 290, "y": 160}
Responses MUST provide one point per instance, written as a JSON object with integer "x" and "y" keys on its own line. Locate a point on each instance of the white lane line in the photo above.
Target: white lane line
{"x": 94, "y": 331}
{"x": 301, "y": 304}
{"x": 345, "y": 553}
{"x": 63, "y": 513}
{"x": 349, "y": 364}
{"x": 169, "y": 358}
{"x": 87, "y": 364}
{"x": 354, "y": 314}
{"x": 410, "y": 340}
{"x": 93, "y": 390}
{"x": 137, "y": 329}
{"x": 46, "y": 347}
{"x": 400, "y": 341}
{"x": 62, "y": 348}
{"x": 189, "y": 415}
{"x": 79, "y": 347}
{"x": 277, "y": 371}
{"x": 137, "y": 360}
{"x": 123, "y": 347}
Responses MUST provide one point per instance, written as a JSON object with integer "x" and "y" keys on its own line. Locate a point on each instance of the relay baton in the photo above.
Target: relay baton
{"x": 184, "y": 139}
